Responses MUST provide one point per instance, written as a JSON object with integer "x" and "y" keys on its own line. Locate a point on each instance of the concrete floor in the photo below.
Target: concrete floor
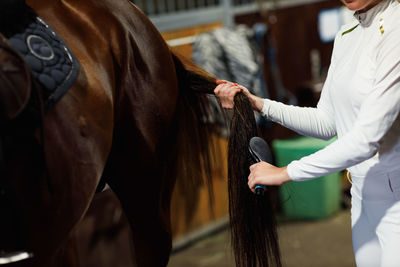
{"x": 319, "y": 243}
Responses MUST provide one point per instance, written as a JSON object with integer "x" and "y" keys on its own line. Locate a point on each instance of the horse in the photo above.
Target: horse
{"x": 134, "y": 118}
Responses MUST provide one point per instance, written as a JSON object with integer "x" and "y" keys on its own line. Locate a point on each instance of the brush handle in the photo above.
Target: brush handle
{"x": 259, "y": 188}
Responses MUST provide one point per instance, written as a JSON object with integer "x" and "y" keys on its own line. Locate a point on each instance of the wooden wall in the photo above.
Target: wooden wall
{"x": 186, "y": 49}
{"x": 202, "y": 216}
{"x": 295, "y": 33}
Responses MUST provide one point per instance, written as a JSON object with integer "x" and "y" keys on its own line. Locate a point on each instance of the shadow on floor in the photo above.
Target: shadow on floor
{"x": 319, "y": 243}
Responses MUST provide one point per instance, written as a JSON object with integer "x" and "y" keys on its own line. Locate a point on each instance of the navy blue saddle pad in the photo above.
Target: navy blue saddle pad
{"x": 52, "y": 63}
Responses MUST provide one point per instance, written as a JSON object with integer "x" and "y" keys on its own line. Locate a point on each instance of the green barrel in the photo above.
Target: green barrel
{"x": 314, "y": 199}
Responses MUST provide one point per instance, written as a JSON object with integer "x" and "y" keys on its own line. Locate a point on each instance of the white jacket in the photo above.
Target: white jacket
{"x": 360, "y": 101}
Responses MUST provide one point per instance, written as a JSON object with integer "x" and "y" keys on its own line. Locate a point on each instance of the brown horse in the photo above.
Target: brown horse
{"x": 134, "y": 118}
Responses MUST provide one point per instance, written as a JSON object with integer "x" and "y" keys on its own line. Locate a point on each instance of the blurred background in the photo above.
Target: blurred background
{"x": 280, "y": 50}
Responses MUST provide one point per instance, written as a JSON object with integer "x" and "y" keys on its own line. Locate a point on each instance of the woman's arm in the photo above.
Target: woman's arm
{"x": 315, "y": 122}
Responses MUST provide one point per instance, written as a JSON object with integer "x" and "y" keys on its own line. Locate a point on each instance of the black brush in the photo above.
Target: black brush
{"x": 259, "y": 151}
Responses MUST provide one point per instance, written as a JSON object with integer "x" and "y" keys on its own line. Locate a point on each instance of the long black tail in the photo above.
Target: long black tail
{"x": 252, "y": 220}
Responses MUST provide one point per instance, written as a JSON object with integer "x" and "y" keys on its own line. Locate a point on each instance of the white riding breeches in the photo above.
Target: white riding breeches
{"x": 375, "y": 219}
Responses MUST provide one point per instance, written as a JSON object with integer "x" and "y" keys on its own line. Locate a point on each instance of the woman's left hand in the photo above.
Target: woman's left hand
{"x": 263, "y": 173}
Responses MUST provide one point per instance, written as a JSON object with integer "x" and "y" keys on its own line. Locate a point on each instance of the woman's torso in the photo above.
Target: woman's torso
{"x": 355, "y": 63}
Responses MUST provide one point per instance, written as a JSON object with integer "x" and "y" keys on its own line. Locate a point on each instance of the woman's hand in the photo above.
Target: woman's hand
{"x": 263, "y": 173}
{"x": 226, "y": 91}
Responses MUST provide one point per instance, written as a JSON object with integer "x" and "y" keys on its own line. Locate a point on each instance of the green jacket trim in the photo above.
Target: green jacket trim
{"x": 350, "y": 30}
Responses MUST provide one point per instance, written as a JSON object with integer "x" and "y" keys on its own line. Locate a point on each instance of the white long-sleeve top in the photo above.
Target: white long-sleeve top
{"x": 360, "y": 101}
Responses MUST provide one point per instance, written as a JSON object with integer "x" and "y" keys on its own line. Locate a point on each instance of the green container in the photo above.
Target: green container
{"x": 314, "y": 199}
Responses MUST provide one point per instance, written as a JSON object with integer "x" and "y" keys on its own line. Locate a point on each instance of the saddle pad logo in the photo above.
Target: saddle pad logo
{"x": 40, "y": 47}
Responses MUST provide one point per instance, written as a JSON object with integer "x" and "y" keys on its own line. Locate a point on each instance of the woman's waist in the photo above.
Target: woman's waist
{"x": 383, "y": 161}
{"x": 376, "y": 185}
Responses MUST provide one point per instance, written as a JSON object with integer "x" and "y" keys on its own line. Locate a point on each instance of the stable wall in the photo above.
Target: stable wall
{"x": 187, "y": 227}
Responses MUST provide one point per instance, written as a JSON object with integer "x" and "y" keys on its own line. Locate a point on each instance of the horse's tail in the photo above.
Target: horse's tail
{"x": 252, "y": 220}
{"x": 195, "y": 147}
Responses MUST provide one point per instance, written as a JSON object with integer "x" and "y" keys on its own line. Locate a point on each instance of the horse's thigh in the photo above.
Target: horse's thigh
{"x": 145, "y": 196}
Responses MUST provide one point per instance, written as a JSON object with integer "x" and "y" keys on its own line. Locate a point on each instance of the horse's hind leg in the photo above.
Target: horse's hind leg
{"x": 137, "y": 180}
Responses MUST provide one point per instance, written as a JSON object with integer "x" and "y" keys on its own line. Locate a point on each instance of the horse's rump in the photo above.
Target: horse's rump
{"x": 158, "y": 132}
{"x": 134, "y": 115}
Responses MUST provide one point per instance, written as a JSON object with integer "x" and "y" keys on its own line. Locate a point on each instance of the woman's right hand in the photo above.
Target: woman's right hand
{"x": 226, "y": 91}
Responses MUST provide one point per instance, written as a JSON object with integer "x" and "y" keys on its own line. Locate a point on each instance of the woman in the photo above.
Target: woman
{"x": 360, "y": 103}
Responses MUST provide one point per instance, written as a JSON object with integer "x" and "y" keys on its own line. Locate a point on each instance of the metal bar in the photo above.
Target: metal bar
{"x": 228, "y": 15}
{"x": 142, "y": 5}
{"x": 254, "y": 7}
{"x": 223, "y": 11}
{"x": 170, "y": 6}
{"x": 150, "y": 7}
{"x": 181, "y": 5}
{"x": 188, "y": 18}
{"x": 201, "y": 3}
{"x": 157, "y": 5}
{"x": 190, "y": 4}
